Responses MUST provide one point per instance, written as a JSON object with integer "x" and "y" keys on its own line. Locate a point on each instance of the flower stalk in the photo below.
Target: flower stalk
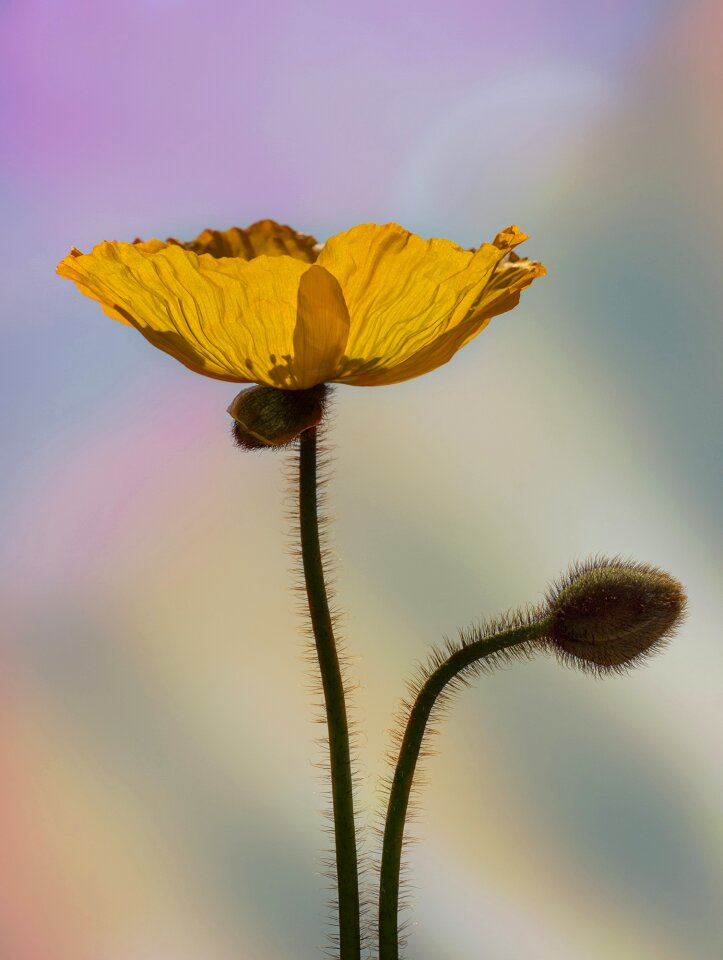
{"x": 347, "y": 871}
{"x": 411, "y": 745}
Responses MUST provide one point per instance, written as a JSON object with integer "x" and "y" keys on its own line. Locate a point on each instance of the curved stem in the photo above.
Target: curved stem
{"x": 337, "y": 725}
{"x": 406, "y": 765}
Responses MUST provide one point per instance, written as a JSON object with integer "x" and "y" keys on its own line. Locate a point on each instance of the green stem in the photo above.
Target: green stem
{"x": 337, "y": 725}
{"x": 406, "y": 765}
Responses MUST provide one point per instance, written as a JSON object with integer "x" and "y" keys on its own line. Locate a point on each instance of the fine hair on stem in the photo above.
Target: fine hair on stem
{"x": 294, "y": 466}
{"x": 448, "y": 669}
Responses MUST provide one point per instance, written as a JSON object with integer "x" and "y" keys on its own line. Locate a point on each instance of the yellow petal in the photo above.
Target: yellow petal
{"x": 322, "y": 327}
{"x": 263, "y": 238}
{"x": 227, "y": 318}
{"x": 505, "y": 286}
{"x": 64, "y": 269}
{"x": 509, "y": 237}
{"x": 496, "y": 299}
{"x": 153, "y": 246}
{"x": 403, "y": 293}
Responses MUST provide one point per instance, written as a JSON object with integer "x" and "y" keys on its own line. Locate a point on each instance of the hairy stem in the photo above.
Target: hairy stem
{"x": 347, "y": 874}
{"x": 409, "y": 751}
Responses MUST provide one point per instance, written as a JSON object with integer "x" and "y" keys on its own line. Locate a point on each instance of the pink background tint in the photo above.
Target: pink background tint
{"x": 159, "y": 799}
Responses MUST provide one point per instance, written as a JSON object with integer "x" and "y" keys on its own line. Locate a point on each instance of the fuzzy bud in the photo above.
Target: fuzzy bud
{"x": 609, "y": 613}
{"x": 270, "y": 417}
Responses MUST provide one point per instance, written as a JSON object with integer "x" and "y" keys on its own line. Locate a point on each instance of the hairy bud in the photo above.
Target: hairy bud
{"x": 269, "y": 417}
{"x": 610, "y": 613}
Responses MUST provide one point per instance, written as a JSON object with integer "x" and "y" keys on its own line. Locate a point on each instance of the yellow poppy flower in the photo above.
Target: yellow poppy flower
{"x": 374, "y": 305}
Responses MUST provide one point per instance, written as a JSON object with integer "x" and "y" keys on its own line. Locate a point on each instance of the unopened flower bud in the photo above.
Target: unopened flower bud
{"x": 270, "y": 417}
{"x": 609, "y": 613}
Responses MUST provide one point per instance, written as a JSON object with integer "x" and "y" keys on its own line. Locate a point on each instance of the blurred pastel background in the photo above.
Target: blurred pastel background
{"x": 159, "y": 800}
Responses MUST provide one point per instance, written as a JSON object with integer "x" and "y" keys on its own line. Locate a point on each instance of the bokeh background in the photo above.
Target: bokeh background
{"x": 159, "y": 797}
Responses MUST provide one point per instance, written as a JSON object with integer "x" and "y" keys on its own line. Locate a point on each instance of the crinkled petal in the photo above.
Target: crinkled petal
{"x": 66, "y": 265}
{"x": 404, "y": 294}
{"x": 227, "y": 318}
{"x": 502, "y": 293}
{"x": 263, "y": 238}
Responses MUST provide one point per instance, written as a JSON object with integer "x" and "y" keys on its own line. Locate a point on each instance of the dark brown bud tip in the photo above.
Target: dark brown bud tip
{"x": 270, "y": 417}
{"x": 609, "y": 613}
